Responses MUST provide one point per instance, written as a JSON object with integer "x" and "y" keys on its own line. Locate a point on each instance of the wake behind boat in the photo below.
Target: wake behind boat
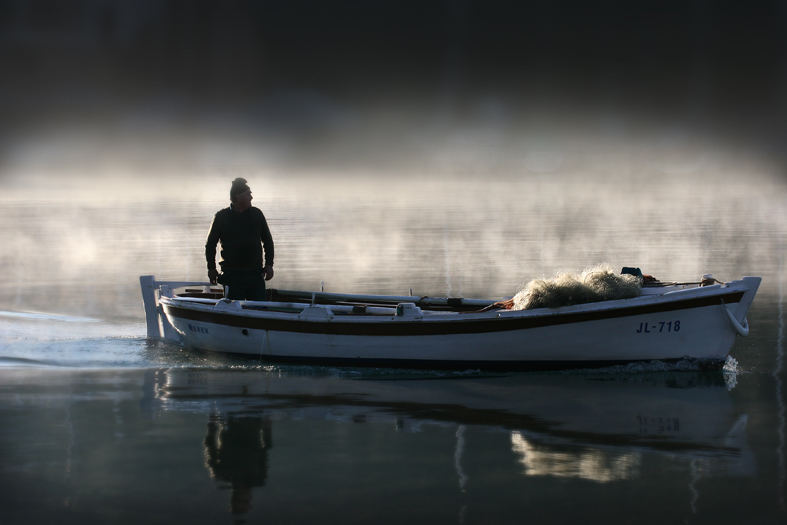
{"x": 666, "y": 322}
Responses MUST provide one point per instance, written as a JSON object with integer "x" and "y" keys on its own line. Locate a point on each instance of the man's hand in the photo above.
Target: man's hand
{"x": 268, "y": 273}
{"x": 213, "y": 275}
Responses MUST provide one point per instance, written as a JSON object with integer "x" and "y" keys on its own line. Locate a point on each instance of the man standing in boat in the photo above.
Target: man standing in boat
{"x": 243, "y": 232}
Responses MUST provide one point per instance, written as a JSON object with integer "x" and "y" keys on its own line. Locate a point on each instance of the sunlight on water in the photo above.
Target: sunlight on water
{"x": 43, "y": 316}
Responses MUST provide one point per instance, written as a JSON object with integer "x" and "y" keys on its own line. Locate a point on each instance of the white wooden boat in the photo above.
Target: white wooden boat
{"x": 670, "y": 322}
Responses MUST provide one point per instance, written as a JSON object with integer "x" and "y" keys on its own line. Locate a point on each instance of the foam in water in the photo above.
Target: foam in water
{"x": 598, "y": 283}
{"x": 731, "y": 371}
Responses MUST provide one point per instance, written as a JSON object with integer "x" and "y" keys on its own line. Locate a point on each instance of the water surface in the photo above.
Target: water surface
{"x": 101, "y": 425}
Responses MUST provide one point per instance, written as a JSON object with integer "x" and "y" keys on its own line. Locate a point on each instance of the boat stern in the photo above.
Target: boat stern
{"x": 159, "y": 327}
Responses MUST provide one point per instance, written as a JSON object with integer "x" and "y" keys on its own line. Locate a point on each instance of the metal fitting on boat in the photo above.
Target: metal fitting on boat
{"x": 408, "y": 311}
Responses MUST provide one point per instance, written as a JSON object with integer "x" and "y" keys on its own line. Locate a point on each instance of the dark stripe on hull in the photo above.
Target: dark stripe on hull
{"x": 443, "y": 327}
{"x": 444, "y": 364}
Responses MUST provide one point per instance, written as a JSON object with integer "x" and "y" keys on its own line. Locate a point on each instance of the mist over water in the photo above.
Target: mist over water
{"x": 76, "y": 242}
{"x": 452, "y": 149}
{"x": 455, "y": 149}
{"x": 77, "y": 245}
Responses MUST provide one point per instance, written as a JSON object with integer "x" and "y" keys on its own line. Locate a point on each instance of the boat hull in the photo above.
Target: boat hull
{"x": 696, "y": 325}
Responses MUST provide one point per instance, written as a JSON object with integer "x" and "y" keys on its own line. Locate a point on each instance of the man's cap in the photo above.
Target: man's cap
{"x": 239, "y": 186}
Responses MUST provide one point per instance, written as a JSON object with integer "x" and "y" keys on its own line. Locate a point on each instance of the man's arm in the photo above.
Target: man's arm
{"x": 267, "y": 244}
{"x": 210, "y": 248}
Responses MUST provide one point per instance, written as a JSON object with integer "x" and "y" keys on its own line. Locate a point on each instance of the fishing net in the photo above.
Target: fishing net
{"x": 599, "y": 283}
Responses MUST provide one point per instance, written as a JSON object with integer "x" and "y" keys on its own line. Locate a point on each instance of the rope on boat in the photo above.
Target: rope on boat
{"x": 705, "y": 282}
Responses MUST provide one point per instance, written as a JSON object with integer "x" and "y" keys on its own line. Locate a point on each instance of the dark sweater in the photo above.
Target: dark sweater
{"x": 240, "y": 235}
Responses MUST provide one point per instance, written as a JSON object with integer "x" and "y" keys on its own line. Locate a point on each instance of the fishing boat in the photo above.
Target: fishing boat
{"x": 666, "y": 321}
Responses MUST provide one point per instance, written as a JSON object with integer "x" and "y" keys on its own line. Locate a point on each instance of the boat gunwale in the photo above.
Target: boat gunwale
{"x": 437, "y": 324}
{"x": 253, "y": 311}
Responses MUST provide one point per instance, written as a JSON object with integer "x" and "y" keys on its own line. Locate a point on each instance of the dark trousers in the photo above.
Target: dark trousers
{"x": 244, "y": 284}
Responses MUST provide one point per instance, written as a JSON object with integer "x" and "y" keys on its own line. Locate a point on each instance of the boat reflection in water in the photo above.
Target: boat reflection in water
{"x": 604, "y": 432}
{"x": 590, "y": 425}
{"x": 729, "y": 454}
{"x": 594, "y": 465}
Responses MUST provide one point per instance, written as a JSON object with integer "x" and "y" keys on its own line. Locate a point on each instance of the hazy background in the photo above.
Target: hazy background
{"x": 453, "y": 147}
{"x": 200, "y": 83}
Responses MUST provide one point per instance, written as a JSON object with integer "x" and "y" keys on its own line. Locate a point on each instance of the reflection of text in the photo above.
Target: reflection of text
{"x": 658, "y": 425}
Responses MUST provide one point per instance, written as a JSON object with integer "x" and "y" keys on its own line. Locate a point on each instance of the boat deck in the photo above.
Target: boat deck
{"x": 292, "y": 301}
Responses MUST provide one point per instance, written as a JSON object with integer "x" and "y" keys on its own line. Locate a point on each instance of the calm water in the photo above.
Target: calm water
{"x": 101, "y": 426}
